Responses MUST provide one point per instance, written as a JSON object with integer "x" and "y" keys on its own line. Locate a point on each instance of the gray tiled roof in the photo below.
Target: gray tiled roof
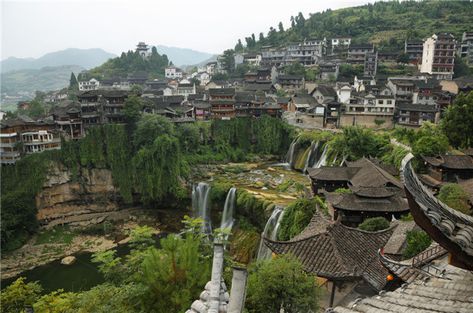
{"x": 453, "y": 292}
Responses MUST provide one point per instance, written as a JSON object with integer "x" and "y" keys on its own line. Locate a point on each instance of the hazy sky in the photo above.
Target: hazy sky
{"x": 33, "y": 28}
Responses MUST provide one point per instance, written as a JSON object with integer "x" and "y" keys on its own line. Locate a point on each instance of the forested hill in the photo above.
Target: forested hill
{"x": 384, "y": 23}
{"x": 131, "y": 62}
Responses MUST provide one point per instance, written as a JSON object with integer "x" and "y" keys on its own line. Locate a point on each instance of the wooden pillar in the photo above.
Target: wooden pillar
{"x": 332, "y": 294}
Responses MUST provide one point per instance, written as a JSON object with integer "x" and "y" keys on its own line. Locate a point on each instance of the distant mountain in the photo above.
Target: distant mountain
{"x": 183, "y": 56}
{"x": 44, "y": 79}
{"x": 86, "y": 58}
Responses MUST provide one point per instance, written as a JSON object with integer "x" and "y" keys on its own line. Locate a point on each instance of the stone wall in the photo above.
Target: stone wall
{"x": 365, "y": 120}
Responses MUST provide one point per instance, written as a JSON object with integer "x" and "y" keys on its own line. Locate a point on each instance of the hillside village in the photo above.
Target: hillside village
{"x": 327, "y": 163}
{"x": 329, "y": 101}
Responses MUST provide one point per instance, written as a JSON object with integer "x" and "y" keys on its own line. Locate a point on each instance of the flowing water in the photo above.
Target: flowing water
{"x": 322, "y": 161}
{"x": 227, "y": 216}
{"x": 290, "y": 153}
{"x": 312, "y": 156}
{"x": 200, "y": 205}
{"x": 270, "y": 231}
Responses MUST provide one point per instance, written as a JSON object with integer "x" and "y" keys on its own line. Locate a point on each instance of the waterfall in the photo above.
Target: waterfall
{"x": 312, "y": 152}
{"x": 322, "y": 161}
{"x": 270, "y": 231}
{"x": 290, "y": 153}
{"x": 227, "y": 217}
{"x": 200, "y": 205}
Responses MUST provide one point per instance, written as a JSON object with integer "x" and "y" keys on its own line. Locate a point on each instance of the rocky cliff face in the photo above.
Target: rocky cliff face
{"x": 86, "y": 199}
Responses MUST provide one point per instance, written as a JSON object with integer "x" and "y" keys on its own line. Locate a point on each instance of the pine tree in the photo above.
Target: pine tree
{"x": 73, "y": 83}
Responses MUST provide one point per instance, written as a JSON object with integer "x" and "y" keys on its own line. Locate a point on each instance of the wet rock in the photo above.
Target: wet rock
{"x": 68, "y": 260}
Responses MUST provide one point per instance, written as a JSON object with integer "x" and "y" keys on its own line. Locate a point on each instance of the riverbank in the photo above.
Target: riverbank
{"x": 54, "y": 244}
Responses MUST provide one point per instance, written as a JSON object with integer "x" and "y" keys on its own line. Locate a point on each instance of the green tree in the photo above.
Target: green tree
{"x": 403, "y": 58}
{"x": 455, "y": 197}
{"x": 239, "y": 46}
{"x": 374, "y": 224}
{"x": 461, "y": 68}
{"x": 417, "y": 241}
{"x": 356, "y": 142}
{"x": 297, "y": 216}
{"x": 149, "y": 128}
{"x": 73, "y": 83}
{"x": 132, "y": 109}
{"x": 280, "y": 27}
{"x": 281, "y": 284}
{"x": 457, "y": 123}
{"x": 229, "y": 60}
{"x": 430, "y": 145}
{"x": 19, "y": 294}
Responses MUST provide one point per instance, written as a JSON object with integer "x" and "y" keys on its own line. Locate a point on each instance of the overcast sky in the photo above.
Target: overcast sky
{"x": 33, "y": 28}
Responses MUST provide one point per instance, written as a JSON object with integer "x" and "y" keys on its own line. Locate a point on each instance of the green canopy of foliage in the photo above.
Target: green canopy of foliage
{"x": 356, "y": 142}
{"x": 417, "y": 241}
{"x": 130, "y": 62}
{"x": 297, "y": 216}
{"x": 374, "y": 224}
{"x": 455, "y": 197}
{"x": 457, "y": 123}
{"x": 385, "y": 23}
{"x": 281, "y": 284}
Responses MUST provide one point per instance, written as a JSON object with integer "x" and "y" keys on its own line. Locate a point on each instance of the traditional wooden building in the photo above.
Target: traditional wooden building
{"x": 449, "y": 168}
{"x": 451, "y": 229}
{"x": 222, "y": 101}
{"x": 344, "y": 256}
{"x": 373, "y": 191}
{"x": 68, "y": 120}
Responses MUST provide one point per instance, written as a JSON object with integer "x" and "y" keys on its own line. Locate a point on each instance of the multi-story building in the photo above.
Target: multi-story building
{"x": 222, "y": 101}
{"x": 357, "y": 53}
{"x": 143, "y": 49}
{"x": 409, "y": 114}
{"x": 414, "y": 49}
{"x": 272, "y": 56}
{"x": 438, "y": 56}
{"x": 369, "y": 109}
{"x": 68, "y": 120}
{"x": 291, "y": 81}
{"x": 466, "y": 47}
{"x": 172, "y": 72}
{"x": 24, "y": 135}
{"x": 91, "y": 84}
{"x": 371, "y": 64}
{"x": 91, "y": 109}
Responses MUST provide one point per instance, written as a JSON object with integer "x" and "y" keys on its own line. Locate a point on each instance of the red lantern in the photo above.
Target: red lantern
{"x": 390, "y": 277}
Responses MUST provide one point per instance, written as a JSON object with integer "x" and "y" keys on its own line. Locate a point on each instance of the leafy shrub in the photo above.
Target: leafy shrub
{"x": 455, "y": 197}
{"x": 417, "y": 241}
{"x": 297, "y": 216}
{"x": 374, "y": 224}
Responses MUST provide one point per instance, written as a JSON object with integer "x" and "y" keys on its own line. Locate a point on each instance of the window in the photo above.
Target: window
{"x": 390, "y": 101}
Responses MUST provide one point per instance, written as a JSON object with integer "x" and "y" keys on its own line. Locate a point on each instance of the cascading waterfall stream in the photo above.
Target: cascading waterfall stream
{"x": 290, "y": 153}
{"x": 314, "y": 146}
{"x": 200, "y": 205}
{"x": 227, "y": 216}
{"x": 322, "y": 161}
{"x": 270, "y": 231}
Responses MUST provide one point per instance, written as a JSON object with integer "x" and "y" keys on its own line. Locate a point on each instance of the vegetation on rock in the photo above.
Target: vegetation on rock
{"x": 374, "y": 224}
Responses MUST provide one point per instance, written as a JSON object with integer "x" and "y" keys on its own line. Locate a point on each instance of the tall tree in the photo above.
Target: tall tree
{"x": 239, "y": 46}
{"x": 457, "y": 123}
{"x": 229, "y": 60}
{"x": 73, "y": 83}
{"x": 281, "y": 27}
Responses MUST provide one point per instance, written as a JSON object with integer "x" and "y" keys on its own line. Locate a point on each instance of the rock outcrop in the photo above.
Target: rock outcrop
{"x": 85, "y": 198}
